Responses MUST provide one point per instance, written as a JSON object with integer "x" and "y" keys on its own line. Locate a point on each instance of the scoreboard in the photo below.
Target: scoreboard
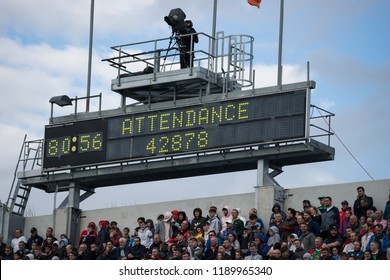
{"x": 188, "y": 129}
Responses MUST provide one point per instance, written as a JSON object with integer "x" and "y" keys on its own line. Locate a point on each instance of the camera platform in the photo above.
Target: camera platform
{"x": 149, "y": 71}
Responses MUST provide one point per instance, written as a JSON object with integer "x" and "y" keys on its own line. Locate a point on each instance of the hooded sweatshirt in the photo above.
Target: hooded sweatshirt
{"x": 274, "y": 238}
{"x": 225, "y": 218}
{"x": 200, "y": 220}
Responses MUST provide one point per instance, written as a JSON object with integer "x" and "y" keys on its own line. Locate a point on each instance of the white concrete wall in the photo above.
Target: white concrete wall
{"x": 378, "y": 189}
{"x": 127, "y": 215}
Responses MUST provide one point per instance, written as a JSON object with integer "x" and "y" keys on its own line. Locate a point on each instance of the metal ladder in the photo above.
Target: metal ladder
{"x": 30, "y": 156}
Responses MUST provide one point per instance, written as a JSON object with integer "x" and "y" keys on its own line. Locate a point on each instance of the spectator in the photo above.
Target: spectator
{"x": 346, "y": 222}
{"x": 145, "y": 235}
{"x": 334, "y": 239}
{"x": 103, "y": 234}
{"x": 367, "y": 255}
{"x": 232, "y": 238}
{"x": 184, "y": 228}
{"x": 355, "y": 224}
{"x": 356, "y": 252}
{"x": 182, "y": 216}
{"x": 254, "y": 255}
{"x": 89, "y": 236}
{"x": 82, "y": 253}
{"x": 379, "y": 219}
{"x": 114, "y": 233}
{"x": 377, "y": 253}
{"x": 330, "y": 217}
{"x": 299, "y": 251}
{"x": 211, "y": 253}
{"x": 215, "y": 223}
{"x": 335, "y": 254}
{"x": 289, "y": 224}
{"x": 198, "y": 219}
{"x": 2, "y": 246}
{"x": 226, "y": 216}
{"x": 386, "y": 214}
{"x": 313, "y": 226}
{"x": 94, "y": 252}
{"x": 123, "y": 249}
{"x": 8, "y": 253}
{"x": 349, "y": 244}
{"x": 34, "y": 238}
{"x": 380, "y": 238}
{"x": 254, "y": 216}
{"x": 366, "y": 236}
{"x": 307, "y": 238}
{"x": 315, "y": 215}
{"x": 344, "y": 207}
{"x": 164, "y": 228}
{"x": 322, "y": 207}
{"x": 238, "y": 225}
{"x": 109, "y": 252}
{"x": 305, "y": 205}
{"x": 316, "y": 252}
{"x": 325, "y": 254}
{"x": 229, "y": 249}
{"x": 49, "y": 237}
{"x": 274, "y": 236}
{"x": 137, "y": 251}
{"x": 276, "y": 209}
{"x": 262, "y": 246}
{"x": 18, "y": 237}
{"x": 388, "y": 254}
{"x": 150, "y": 225}
{"x": 361, "y": 194}
{"x": 277, "y": 222}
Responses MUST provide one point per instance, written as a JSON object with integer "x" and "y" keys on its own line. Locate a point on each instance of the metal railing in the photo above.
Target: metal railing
{"x": 232, "y": 58}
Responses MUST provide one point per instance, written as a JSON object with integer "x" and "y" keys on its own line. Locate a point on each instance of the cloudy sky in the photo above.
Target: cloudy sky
{"x": 44, "y": 52}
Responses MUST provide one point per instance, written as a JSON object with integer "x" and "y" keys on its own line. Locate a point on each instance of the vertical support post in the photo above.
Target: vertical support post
{"x": 72, "y": 226}
{"x": 214, "y": 31}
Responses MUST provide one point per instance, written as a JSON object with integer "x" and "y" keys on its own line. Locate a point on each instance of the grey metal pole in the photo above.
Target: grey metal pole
{"x": 280, "y": 69}
{"x": 214, "y": 30}
{"x": 90, "y": 55}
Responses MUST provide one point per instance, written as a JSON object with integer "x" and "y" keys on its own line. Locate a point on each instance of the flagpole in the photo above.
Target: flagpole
{"x": 90, "y": 55}
{"x": 214, "y": 28}
{"x": 280, "y": 67}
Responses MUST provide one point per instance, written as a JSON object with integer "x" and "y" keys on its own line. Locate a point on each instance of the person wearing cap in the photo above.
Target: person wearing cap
{"x": 34, "y": 238}
{"x": 344, "y": 207}
{"x": 334, "y": 239}
{"x": 330, "y": 217}
{"x": 306, "y": 257}
{"x": 229, "y": 229}
{"x": 322, "y": 207}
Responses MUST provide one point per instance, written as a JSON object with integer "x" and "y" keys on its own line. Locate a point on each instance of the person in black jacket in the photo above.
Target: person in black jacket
{"x": 357, "y": 208}
{"x": 187, "y": 43}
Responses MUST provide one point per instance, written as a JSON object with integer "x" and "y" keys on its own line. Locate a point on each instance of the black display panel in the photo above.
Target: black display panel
{"x": 190, "y": 129}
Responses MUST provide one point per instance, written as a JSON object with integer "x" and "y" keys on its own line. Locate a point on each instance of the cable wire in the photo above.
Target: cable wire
{"x": 342, "y": 143}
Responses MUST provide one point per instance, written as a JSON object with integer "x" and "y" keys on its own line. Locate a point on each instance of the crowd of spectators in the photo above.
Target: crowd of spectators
{"x": 356, "y": 232}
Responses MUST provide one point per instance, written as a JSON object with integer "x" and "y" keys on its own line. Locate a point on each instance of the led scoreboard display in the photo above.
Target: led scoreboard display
{"x": 181, "y": 130}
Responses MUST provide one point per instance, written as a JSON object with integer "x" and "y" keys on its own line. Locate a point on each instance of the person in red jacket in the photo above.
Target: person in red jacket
{"x": 89, "y": 236}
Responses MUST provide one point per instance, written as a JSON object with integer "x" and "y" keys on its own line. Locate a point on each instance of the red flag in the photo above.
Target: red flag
{"x": 255, "y": 3}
